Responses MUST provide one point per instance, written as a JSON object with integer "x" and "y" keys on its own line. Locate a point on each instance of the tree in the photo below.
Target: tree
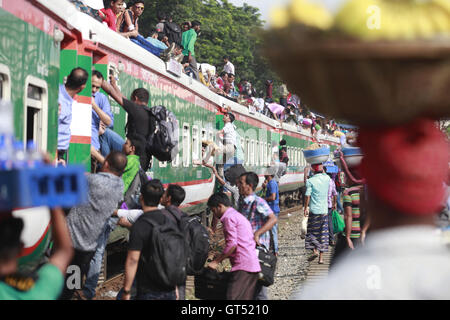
{"x": 226, "y": 30}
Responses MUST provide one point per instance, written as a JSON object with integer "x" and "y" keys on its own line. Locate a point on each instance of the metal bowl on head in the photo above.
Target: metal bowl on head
{"x": 352, "y": 156}
{"x": 317, "y": 156}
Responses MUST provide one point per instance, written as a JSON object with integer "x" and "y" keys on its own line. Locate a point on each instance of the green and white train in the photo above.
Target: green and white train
{"x": 41, "y": 41}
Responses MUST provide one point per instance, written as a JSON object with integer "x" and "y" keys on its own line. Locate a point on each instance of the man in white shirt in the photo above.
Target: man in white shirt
{"x": 229, "y": 67}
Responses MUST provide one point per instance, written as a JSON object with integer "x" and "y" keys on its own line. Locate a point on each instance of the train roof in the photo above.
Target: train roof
{"x": 97, "y": 32}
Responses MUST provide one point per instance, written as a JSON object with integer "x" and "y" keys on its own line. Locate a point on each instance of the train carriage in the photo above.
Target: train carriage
{"x": 41, "y": 41}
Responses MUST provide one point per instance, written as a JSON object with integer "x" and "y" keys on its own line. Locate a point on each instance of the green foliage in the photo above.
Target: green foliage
{"x": 226, "y": 30}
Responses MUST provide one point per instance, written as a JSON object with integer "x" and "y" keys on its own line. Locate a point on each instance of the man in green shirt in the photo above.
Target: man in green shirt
{"x": 47, "y": 283}
{"x": 188, "y": 39}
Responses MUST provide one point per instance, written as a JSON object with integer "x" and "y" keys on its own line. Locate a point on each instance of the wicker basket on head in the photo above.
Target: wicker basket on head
{"x": 367, "y": 83}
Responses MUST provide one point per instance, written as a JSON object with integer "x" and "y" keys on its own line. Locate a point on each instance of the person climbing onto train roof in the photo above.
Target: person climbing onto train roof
{"x": 101, "y": 111}
{"x": 140, "y": 123}
{"x": 86, "y": 222}
{"x": 130, "y": 172}
{"x": 228, "y": 137}
{"x": 130, "y": 26}
{"x": 47, "y": 282}
{"x": 113, "y": 14}
{"x": 316, "y": 210}
{"x": 239, "y": 248}
{"x": 76, "y": 82}
{"x": 260, "y": 215}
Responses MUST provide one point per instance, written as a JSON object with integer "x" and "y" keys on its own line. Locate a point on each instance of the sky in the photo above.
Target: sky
{"x": 266, "y": 5}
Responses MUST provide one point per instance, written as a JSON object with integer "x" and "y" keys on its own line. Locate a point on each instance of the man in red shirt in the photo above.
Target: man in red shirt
{"x": 113, "y": 13}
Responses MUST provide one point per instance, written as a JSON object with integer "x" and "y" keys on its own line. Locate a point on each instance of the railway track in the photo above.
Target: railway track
{"x": 314, "y": 272}
{"x": 108, "y": 276}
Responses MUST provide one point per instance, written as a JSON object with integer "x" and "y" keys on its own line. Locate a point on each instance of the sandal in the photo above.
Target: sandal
{"x": 320, "y": 262}
{"x": 313, "y": 256}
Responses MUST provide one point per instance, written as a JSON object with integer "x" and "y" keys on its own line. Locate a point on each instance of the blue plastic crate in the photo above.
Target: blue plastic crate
{"x": 43, "y": 186}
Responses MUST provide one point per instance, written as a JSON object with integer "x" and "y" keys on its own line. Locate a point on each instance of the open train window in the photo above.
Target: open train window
{"x": 247, "y": 151}
{"x": 186, "y": 145}
{"x": 5, "y": 83}
{"x": 36, "y": 112}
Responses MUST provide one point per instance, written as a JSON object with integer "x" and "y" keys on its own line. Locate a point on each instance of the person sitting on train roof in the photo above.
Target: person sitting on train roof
{"x": 86, "y": 221}
{"x": 101, "y": 111}
{"x": 48, "y": 281}
{"x": 113, "y": 14}
{"x": 139, "y": 123}
{"x": 188, "y": 39}
{"x": 76, "y": 82}
{"x": 130, "y": 26}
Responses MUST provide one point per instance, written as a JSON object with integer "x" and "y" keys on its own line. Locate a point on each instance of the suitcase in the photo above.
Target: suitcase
{"x": 211, "y": 285}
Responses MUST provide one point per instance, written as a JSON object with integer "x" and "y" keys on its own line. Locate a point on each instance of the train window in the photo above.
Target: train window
{"x": 162, "y": 164}
{"x": 36, "y": 112}
{"x": 257, "y": 154}
{"x": 252, "y": 154}
{"x": 296, "y": 157}
{"x": 247, "y": 151}
{"x": 5, "y": 83}
{"x": 186, "y": 145}
{"x": 195, "y": 144}
{"x": 204, "y": 135}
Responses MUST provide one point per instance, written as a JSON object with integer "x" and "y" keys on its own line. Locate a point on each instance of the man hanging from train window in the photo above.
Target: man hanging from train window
{"x": 76, "y": 82}
{"x": 140, "y": 123}
{"x": 101, "y": 111}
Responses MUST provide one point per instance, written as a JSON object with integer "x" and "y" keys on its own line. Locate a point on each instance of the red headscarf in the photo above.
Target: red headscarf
{"x": 406, "y": 166}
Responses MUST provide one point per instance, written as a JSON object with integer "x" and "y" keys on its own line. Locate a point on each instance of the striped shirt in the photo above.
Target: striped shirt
{"x": 352, "y": 199}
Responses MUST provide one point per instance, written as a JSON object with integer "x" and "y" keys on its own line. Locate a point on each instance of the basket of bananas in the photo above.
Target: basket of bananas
{"x": 374, "y": 62}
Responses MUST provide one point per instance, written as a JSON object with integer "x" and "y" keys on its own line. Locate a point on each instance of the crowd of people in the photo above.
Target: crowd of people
{"x": 121, "y": 194}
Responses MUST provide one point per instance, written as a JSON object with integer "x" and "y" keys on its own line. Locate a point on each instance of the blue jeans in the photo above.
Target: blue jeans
{"x": 274, "y": 234}
{"x": 156, "y": 295}
{"x": 110, "y": 141}
{"x": 96, "y": 263}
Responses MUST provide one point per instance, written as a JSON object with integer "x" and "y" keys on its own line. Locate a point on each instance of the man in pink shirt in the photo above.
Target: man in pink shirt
{"x": 240, "y": 248}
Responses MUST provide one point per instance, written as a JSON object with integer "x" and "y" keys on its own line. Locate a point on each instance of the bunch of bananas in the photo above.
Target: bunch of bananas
{"x": 372, "y": 19}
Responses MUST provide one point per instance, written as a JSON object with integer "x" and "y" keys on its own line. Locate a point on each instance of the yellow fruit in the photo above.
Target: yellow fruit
{"x": 310, "y": 14}
{"x": 279, "y": 17}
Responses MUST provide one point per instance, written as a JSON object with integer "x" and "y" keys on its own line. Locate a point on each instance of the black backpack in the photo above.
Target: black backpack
{"x": 197, "y": 239}
{"x": 131, "y": 197}
{"x": 173, "y": 32}
{"x": 165, "y": 255}
{"x": 162, "y": 142}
